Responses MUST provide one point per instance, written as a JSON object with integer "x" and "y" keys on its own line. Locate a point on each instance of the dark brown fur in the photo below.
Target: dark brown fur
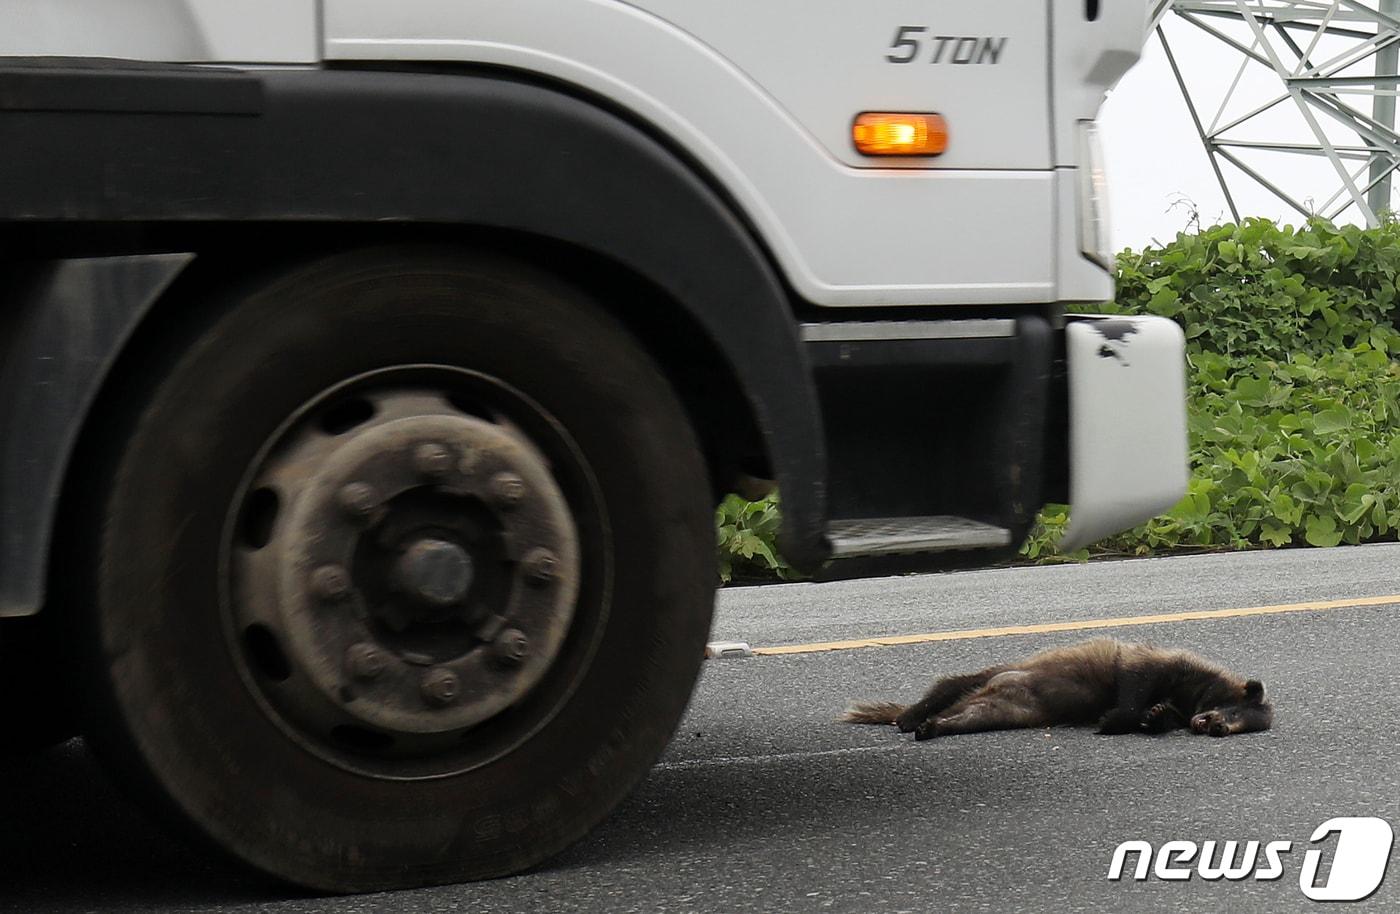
{"x": 1118, "y": 686}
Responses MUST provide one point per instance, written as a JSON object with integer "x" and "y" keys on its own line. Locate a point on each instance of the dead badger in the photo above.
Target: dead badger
{"x": 1121, "y": 687}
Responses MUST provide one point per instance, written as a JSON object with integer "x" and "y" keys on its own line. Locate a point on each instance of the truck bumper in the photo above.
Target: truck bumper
{"x": 1127, "y": 422}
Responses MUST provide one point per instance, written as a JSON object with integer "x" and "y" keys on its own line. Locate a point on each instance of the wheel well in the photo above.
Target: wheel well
{"x": 699, "y": 372}
{"x": 696, "y": 368}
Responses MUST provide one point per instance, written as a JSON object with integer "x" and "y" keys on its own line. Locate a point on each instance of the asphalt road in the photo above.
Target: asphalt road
{"x": 763, "y": 803}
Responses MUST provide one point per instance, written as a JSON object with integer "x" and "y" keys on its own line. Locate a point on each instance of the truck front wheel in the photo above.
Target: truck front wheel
{"x": 404, "y": 570}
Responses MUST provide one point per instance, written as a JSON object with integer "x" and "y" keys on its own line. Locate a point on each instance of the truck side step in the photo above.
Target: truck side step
{"x": 897, "y": 535}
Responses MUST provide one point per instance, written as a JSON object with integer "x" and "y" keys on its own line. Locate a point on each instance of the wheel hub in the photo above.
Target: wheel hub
{"x": 435, "y": 572}
{"x": 421, "y": 578}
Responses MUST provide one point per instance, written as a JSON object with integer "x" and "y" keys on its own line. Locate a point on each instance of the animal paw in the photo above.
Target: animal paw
{"x": 1212, "y": 722}
{"x": 908, "y": 722}
{"x": 1161, "y": 716}
{"x": 1118, "y": 721}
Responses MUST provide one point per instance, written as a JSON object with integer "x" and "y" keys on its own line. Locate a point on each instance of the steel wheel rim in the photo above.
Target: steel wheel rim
{"x": 426, "y": 491}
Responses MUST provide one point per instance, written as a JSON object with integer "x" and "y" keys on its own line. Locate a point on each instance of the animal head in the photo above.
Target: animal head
{"x": 1239, "y": 710}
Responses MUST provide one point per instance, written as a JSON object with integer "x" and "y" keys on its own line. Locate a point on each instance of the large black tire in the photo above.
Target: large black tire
{"x": 173, "y": 708}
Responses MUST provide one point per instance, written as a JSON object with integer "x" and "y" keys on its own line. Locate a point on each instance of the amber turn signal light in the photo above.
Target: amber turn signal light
{"x": 885, "y": 134}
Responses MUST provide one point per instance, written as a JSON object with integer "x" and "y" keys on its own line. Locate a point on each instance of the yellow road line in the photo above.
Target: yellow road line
{"x": 1082, "y": 624}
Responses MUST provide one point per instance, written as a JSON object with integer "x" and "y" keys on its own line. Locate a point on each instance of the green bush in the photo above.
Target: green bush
{"x": 1292, "y": 394}
{"x": 747, "y": 535}
{"x": 1259, "y": 291}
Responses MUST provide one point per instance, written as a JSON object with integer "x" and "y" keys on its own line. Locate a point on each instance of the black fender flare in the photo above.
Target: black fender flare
{"x": 111, "y": 142}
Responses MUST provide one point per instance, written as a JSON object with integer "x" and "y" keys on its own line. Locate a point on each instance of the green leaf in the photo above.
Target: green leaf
{"x": 1356, "y": 501}
{"x": 1322, "y": 531}
{"x": 1252, "y": 391}
{"x": 1275, "y": 534}
{"x": 1331, "y": 421}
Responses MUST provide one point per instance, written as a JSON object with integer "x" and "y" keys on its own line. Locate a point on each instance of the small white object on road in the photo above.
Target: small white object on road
{"x": 727, "y": 649}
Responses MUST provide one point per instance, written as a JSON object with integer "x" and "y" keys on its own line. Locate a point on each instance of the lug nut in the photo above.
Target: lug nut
{"x": 541, "y": 566}
{"x": 365, "y": 661}
{"x": 358, "y": 499}
{"x": 508, "y": 488}
{"x": 432, "y": 460}
{"x": 330, "y": 582}
{"x": 440, "y": 687}
{"x": 511, "y": 646}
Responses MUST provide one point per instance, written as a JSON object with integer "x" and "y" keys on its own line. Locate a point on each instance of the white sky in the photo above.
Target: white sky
{"x": 1154, "y": 157}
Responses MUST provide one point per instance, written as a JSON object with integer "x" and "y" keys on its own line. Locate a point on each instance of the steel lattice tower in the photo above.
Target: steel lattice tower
{"x": 1336, "y": 63}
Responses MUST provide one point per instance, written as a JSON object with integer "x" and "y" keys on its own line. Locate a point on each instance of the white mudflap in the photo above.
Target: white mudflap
{"x": 1127, "y": 423}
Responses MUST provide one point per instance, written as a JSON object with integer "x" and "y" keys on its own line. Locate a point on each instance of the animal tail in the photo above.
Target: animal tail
{"x": 873, "y": 712}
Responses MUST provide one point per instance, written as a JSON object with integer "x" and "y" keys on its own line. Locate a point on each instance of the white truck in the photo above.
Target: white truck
{"x": 369, "y": 373}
